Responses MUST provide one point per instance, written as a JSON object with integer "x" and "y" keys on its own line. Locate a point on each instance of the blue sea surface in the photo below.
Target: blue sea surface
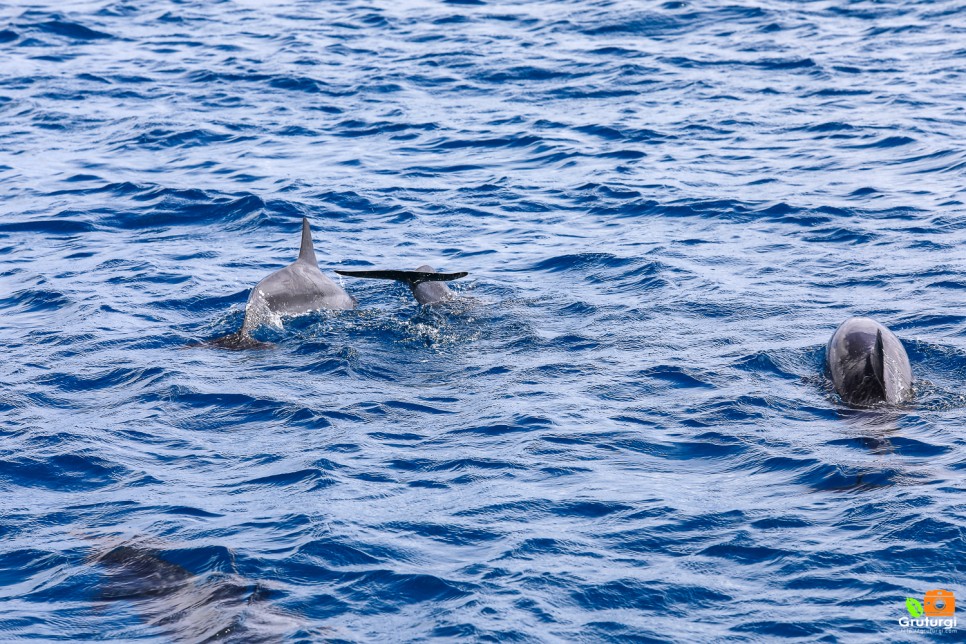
{"x": 619, "y": 431}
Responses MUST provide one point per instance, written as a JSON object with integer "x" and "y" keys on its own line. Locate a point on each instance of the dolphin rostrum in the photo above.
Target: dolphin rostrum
{"x": 298, "y": 288}
{"x": 425, "y": 283}
{"x": 868, "y": 364}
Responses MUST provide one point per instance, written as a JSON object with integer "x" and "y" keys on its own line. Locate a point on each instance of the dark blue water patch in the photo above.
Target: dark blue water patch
{"x": 448, "y": 533}
{"x": 886, "y": 142}
{"x": 118, "y": 189}
{"x": 779, "y": 523}
{"x": 588, "y": 509}
{"x": 652, "y": 25}
{"x": 208, "y": 304}
{"x": 921, "y": 349}
{"x": 706, "y": 446}
{"x": 838, "y": 91}
{"x": 252, "y": 409}
{"x": 840, "y": 236}
{"x": 59, "y": 26}
{"x": 187, "y": 511}
{"x": 159, "y": 139}
{"x": 59, "y": 226}
{"x": 626, "y": 155}
{"x": 66, "y": 472}
{"x": 353, "y": 128}
{"x": 206, "y": 559}
{"x": 93, "y": 78}
{"x": 739, "y": 551}
{"x": 633, "y": 594}
{"x": 416, "y": 408}
{"x": 192, "y": 207}
{"x": 293, "y": 83}
{"x": 34, "y": 300}
{"x": 25, "y": 564}
{"x": 497, "y": 429}
{"x": 332, "y": 553}
{"x": 79, "y": 178}
{"x": 609, "y": 631}
{"x": 765, "y": 364}
{"x": 581, "y": 261}
{"x": 928, "y": 530}
{"x": 827, "y": 477}
{"x": 119, "y": 377}
{"x": 777, "y": 64}
{"x": 449, "y": 143}
{"x": 778, "y": 629}
{"x": 463, "y": 464}
{"x": 150, "y": 277}
{"x": 675, "y": 376}
{"x": 308, "y": 479}
{"x": 399, "y": 589}
{"x": 581, "y": 92}
{"x": 951, "y": 284}
{"x": 606, "y": 133}
{"x": 831, "y": 126}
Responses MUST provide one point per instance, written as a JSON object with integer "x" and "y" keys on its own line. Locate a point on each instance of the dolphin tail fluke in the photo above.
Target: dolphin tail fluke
{"x": 409, "y": 277}
{"x": 307, "y": 251}
{"x": 238, "y": 341}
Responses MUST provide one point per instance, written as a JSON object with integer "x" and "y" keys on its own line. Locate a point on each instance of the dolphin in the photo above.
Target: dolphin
{"x": 868, "y": 364}
{"x": 298, "y": 288}
{"x": 425, "y": 283}
{"x": 188, "y": 607}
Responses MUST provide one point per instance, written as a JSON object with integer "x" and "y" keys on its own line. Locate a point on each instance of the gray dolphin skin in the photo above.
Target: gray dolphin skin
{"x": 425, "y": 283}
{"x": 298, "y": 288}
{"x": 868, "y": 364}
{"x": 207, "y": 607}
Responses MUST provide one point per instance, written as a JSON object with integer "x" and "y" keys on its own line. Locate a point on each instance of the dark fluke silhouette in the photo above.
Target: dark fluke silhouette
{"x": 425, "y": 283}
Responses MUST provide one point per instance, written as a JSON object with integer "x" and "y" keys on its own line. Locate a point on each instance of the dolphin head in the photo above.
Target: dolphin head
{"x": 868, "y": 364}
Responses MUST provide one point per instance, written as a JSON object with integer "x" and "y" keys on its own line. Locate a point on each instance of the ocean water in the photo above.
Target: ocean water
{"x": 619, "y": 431}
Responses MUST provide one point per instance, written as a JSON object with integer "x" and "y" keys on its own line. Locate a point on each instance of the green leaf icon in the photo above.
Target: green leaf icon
{"x": 914, "y": 607}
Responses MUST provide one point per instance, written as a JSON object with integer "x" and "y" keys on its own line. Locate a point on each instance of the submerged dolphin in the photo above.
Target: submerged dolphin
{"x": 425, "y": 283}
{"x": 868, "y": 364}
{"x": 188, "y": 607}
{"x": 298, "y": 288}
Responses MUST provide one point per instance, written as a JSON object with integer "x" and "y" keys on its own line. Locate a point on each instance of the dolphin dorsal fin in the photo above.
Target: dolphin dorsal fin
{"x": 878, "y": 359}
{"x": 875, "y": 365}
{"x": 307, "y": 252}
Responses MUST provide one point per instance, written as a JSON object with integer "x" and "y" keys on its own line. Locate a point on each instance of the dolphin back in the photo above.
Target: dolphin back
{"x": 188, "y": 607}
{"x": 298, "y": 288}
